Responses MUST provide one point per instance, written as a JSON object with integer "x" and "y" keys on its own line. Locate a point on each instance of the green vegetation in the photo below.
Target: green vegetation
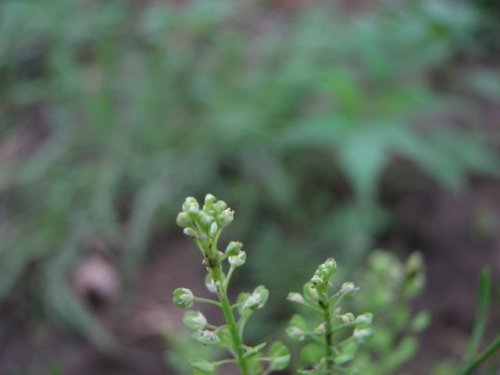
{"x": 337, "y": 341}
{"x": 118, "y": 110}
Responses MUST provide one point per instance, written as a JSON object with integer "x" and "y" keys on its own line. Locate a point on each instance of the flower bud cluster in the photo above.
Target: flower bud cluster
{"x": 324, "y": 273}
{"x": 317, "y": 296}
{"x": 204, "y": 224}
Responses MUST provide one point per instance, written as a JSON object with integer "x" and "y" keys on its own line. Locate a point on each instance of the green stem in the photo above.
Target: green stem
{"x": 218, "y": 277}
{"x": 489, "y": 351}
{"x": 325, "y": 305}
{"x": 228, "y": 276}
{"x": 205, "y": 300}
{"x": 242, "y": 322}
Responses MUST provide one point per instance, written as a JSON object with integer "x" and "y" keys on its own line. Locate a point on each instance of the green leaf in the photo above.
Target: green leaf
{"x": 347, "y": 353}
{"x": 225, "y": 337}
{"x": 279, "y": 356}
{"x": 203, "y": 366}
{"x": 420, "y": 321}
{"x": 362, "y": 156}
{"x": 297, "y": 328}
{"x": 482, "y": 306}
{"x": 250, "y": 351}
{"x": 312, "y": 353}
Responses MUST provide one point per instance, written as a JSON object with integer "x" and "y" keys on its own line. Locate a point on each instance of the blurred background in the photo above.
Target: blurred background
{"x": 333, "y": 128}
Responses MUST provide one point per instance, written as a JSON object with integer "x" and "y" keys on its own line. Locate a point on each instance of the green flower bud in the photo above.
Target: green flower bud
{"x": 257, "y": 299}
{"x": 220, "y": 206}
{"x": 209, "y": 200}
{"x": 190, "y": 232}
{"x": 205, "y": 219}
{"x": 238, "y": 260}
{"x": 321, "y": 329}
{"x": 183, "y": 220}
{"x": 295, "y": 333}
{"x": 295, "y": 298}
{"x": 213, "y": 229}
{"x": 347, "y": 318}
{"x": 183, "y": 298}
{"x": 225, "y": 218}
{"x": 233, "y": 248}
{"x": 195, "y": 320}
{"x": 206, "y": 337}
{"x": 310, "y": 292}
{"x": 210, "y": 284}
{"x": 190, "y": 204}
{"x": 348, "y": 288}
{"x": 363, "y": 320}
{"x": 324, "y": 272}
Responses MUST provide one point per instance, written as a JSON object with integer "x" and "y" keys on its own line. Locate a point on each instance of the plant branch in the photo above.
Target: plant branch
{"x": 218, "y": 278}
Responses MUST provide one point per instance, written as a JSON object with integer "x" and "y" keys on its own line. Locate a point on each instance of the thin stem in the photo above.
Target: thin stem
{"x": 325, "y": 305}
{"x": 224, "y": 361}
{"x": 218, "y": 278}
{"x": 489, "y": 351}
{"x": 228, "y": 276}
{"x": 337, "y": 302}
{"x": 242, "y": 322}
{"x": 206, "y": 300}
{"x": 345, "y": 341}
{"x": 342, "y": 326}
{"x": 313, "y": 307}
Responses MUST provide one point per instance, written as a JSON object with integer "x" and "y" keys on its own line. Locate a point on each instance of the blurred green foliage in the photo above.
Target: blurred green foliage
{"x": 388, "y": 288}
{"x": 297, "y": 115}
